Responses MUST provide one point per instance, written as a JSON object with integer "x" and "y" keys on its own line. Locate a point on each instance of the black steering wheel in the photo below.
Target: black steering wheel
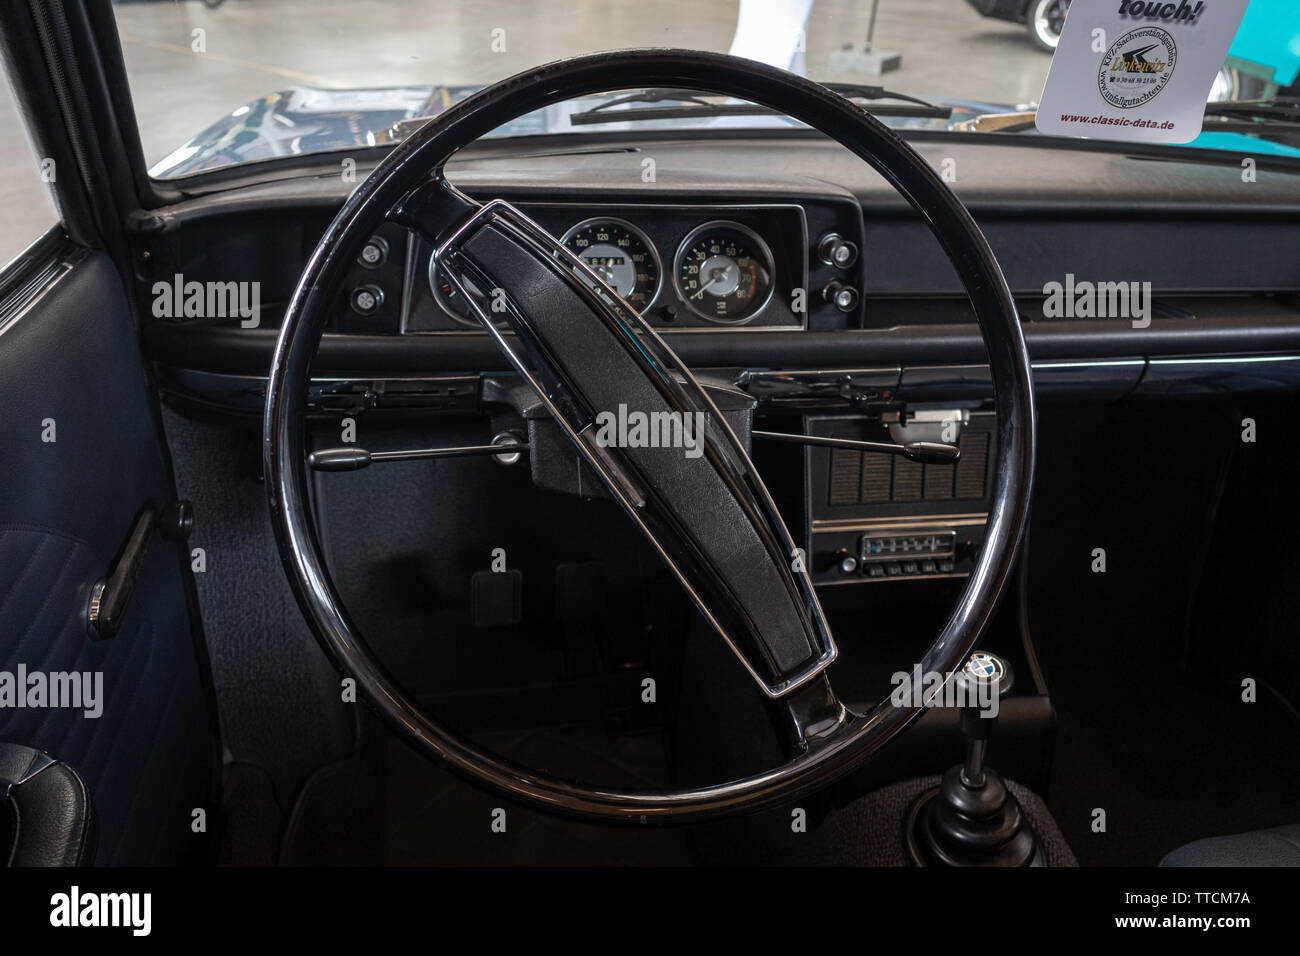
{"x": 583, "y": 349}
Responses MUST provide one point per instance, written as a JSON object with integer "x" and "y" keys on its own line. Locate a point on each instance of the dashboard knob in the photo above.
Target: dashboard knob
{"x": 835, "y": 250}
{"x": 374, "y": 253}
{"x": 366, "y": 299}
{"x": 846, "y": 561}
{"x": 507, "y": 438}
{"x": 843, "y": 297}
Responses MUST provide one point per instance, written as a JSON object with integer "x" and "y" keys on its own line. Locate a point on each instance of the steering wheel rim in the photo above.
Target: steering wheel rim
{"x": 831, "y": 740}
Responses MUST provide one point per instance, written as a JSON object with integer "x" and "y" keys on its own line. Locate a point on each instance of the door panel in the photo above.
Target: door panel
{"x": 71, "y": 371}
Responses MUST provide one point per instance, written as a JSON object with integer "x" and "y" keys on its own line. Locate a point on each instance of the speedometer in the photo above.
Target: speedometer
{"x": 620, "y": 254}
{"x": 724, "y": 272}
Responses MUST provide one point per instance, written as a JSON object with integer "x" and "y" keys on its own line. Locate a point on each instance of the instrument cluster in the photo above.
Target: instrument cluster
{"x": 687, "y": 267}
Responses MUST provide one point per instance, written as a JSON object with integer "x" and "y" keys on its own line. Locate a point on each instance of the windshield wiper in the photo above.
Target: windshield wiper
{"x": 691, "y": 103}
{"x": 1231, "y": 116}
{"x": 1247, "y": 115}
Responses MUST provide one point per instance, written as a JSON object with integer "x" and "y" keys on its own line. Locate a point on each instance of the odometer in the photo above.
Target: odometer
{"x": 620, "y": 254}
{"x": 724, "y": 272}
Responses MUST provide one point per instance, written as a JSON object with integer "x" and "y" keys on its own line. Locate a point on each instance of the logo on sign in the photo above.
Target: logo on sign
{"x": 1137, "y": 67}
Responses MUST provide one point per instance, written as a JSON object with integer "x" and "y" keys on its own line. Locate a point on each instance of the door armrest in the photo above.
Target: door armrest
{"x": 51, "y": 818}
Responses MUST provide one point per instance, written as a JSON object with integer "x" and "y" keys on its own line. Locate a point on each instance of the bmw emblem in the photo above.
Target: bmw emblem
{"x": 983, "y": 666}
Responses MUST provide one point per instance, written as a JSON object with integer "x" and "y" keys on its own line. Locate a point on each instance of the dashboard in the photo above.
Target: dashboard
{"x": 792, "y": 277}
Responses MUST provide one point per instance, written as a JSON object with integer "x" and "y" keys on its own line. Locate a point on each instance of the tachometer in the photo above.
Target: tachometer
{"x": 621, "y": 255}
{"x": 724, "y": 272}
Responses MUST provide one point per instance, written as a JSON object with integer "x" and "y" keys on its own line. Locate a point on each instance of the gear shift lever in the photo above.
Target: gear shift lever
{"x": 971, "y": 818}
{"x": 983, "y": 677}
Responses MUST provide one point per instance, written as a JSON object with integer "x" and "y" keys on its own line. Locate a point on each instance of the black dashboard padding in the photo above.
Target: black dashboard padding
{"x": 692, "y": 488}
{"x": 52, "y": 818}
{"x": 248, "y": 351}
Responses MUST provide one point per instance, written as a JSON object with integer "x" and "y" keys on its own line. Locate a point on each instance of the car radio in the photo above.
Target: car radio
{"x": 876, "y": 517}
{"x": 894, "y": 547}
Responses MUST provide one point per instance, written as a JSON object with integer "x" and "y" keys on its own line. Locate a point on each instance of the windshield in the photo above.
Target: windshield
{"x": 220, "y": 83}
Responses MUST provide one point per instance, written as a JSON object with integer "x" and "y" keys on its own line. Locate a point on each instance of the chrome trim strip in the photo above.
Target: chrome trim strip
{"x": 21, "y": 300}
{"x": 895, "y": 525}
{"x": 893, "y": 579}
{"x": 1225, "y": 360}
{"x": 1099, "y": 363}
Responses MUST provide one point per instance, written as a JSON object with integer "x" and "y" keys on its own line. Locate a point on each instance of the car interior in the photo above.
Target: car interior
{"x": 608, "y": 493}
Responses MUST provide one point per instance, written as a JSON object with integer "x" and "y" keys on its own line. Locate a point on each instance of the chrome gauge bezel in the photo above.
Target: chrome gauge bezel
{"x": 636, "y": 232}
{"x": 468, "y": 321}
{"x": 761, "y": 248}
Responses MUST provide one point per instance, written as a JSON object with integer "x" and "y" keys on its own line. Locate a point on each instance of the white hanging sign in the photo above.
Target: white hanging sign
{"x": 1137, "y": 69}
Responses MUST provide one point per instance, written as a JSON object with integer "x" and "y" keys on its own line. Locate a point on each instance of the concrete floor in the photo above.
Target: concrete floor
{"x": 256, "y": 46}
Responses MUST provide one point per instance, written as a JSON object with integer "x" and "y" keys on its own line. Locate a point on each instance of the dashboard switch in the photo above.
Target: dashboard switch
{"x": 507, "y": 438}
{"x": 374, "y": 253}
{"x": 834, "y": 250}
{"x": 843, "y": 297}
{"x": 366, "y": 299}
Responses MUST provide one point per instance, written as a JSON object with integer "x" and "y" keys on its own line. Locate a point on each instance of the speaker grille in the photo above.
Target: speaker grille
{"x": 877, "y": 476}
{"x": 845, "y": 466}
{"x": 907, "y": 479}
{"x": 873, "y": 478}
{"x": 938, "y": 482}
{"x": 972, "y": 464}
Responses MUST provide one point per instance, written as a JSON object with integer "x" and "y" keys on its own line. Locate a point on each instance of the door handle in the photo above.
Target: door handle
{"x": 109, "y": 597}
